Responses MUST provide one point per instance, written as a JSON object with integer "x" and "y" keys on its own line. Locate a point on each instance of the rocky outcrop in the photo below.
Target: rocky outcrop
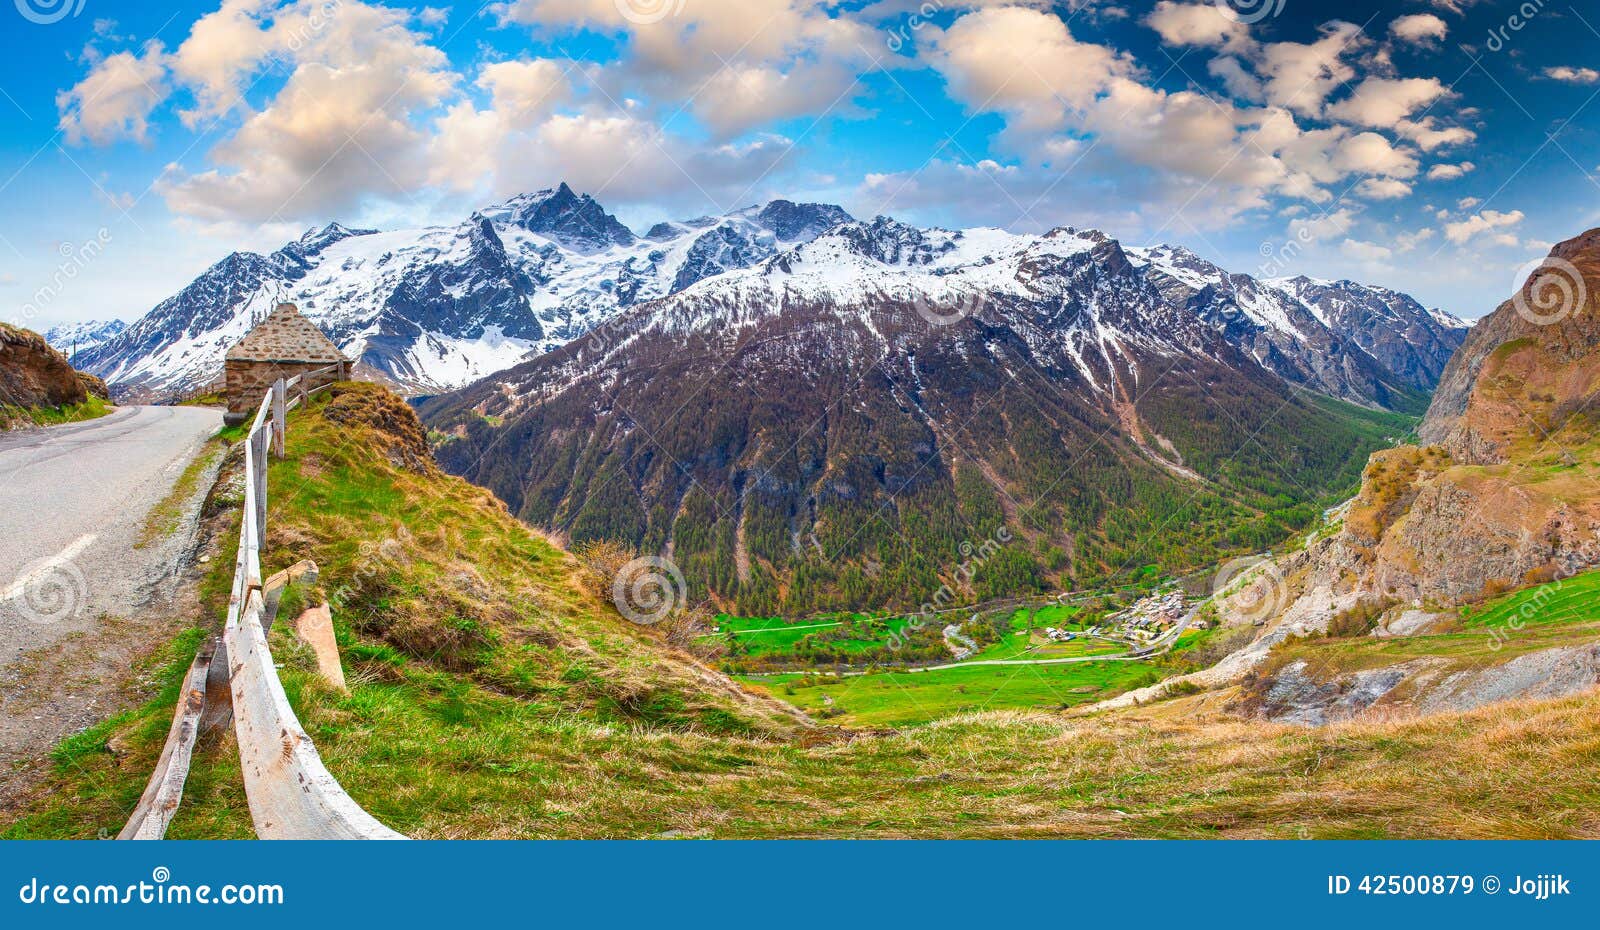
{"x": 1532, "y": 363}
{"x": 32, "y": 374}
{"x": 1297, "y": 694}
{"x": 1505, "y": 496}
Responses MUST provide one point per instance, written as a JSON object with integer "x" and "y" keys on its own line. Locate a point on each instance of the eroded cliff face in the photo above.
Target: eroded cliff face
{"x": 1507, "y": 493}
{"x": 1529, "y": 366}
{"x": 32, "y": 374}
{"x": 1504, "y": 494}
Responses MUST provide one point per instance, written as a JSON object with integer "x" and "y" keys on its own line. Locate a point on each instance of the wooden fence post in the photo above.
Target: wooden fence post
{"x": 280, "y": 395}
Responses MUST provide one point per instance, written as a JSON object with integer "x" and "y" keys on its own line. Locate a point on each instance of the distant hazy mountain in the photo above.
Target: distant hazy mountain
{"x": 70, "y": 338}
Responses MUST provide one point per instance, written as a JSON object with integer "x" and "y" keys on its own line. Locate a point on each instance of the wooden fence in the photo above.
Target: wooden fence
{"x": 290, "y": 792}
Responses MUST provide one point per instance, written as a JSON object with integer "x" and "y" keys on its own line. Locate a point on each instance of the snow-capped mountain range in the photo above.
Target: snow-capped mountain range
{"x": 73, "y": 338}
{"x": 883, "y": 389}
{"x": 436, "y": 308}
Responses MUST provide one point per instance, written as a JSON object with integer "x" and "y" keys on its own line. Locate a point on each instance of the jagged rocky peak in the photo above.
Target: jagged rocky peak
{"x": 791, "y": 221}
{"x": 577, "y": 221}
{"x": 887, "y": 241}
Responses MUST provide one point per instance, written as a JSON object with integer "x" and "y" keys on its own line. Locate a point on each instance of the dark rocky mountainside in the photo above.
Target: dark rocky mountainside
{"x": 846, "y": 422}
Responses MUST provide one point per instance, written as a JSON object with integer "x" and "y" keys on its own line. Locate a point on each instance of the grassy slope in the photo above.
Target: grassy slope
{"x": 12, "y": 416}
{"x": 604, "y": 732}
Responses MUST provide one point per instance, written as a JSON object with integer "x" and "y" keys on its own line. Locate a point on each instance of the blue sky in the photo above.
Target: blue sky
{"x": 1435, "y": 146}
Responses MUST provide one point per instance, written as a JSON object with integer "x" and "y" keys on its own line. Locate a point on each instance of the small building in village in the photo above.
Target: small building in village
{"x": 283, "y": 345}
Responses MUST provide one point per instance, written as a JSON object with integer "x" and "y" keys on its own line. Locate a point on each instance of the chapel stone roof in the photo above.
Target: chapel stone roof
{"x": 285, "y": 336}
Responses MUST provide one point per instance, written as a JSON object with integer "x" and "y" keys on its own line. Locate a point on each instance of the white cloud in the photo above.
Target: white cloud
{"x": 1202, "y": 24}
{"x": 115, "y": 99}
{"x": 1572, "y": 75}
{"x": 1428, "y": 136}
{"x": 1467, "y": 203}
{"x": 1323, "y": 226}
{"x": 1300, "y": 77}
{"x": 736, "y": 63}
{"x": 343, "y": 126}
{"x": 1025, "y": 63}
{"x": 1449, "y": 172}
{"x": 1239, "y": 82}
{"x": 1370, "y": 153}
{"x": 1485, "y": 222}
{"x": 1365, "y": 251}
{"x": 1383, "y": 102}
{"x": 1406, "y": 242}
{"x": 526, "y": 90}
{"x": 1382, "y": 189}
{"x": 1421, "y": 29}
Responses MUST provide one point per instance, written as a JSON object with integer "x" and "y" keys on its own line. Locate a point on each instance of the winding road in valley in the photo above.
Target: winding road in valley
{"x": 83, "y": 584}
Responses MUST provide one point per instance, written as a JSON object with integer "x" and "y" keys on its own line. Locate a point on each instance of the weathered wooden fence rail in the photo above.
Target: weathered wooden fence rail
{"x": 290, "y": 792}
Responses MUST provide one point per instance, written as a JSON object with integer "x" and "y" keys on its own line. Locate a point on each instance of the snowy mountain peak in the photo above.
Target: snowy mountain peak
{"x": 576, "y": 221}
{"x": 792, "y": 222}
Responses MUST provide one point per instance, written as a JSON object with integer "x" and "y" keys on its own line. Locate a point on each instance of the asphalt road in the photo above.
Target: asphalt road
{"x": 73, "y": 502}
